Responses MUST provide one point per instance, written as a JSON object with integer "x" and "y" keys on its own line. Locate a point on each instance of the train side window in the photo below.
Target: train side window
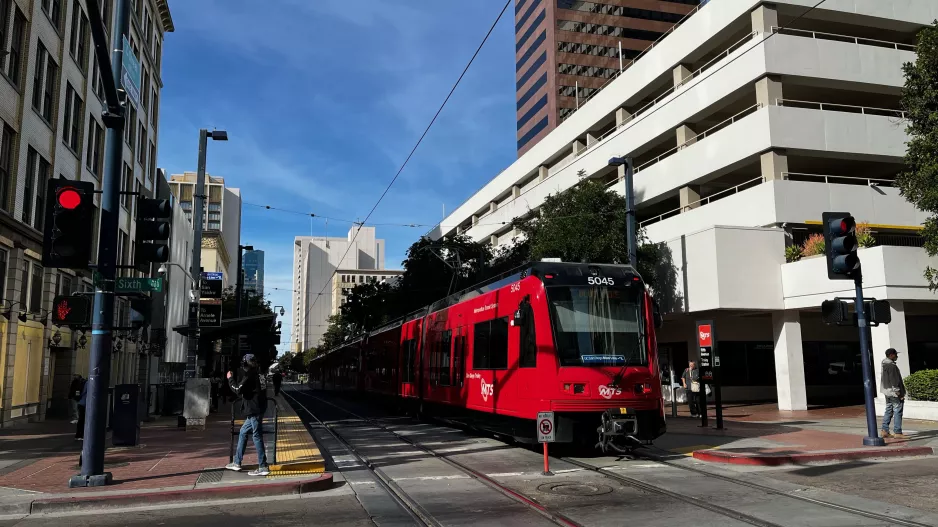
{"x": 528, "y": 344}
{"x": 498, "y": 346}
{"x": 407, "y": 373}
{"x": 482, "y": 334}
{"x": 445, "y": 347}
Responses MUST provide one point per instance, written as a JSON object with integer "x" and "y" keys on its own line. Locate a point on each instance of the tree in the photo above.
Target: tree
{"x": 285, "y": 360}
{"x": 370, "y": 305}
{"x": 434, "y": 269}
{"x": 587, "y": 223}
{"x": 919, "y": 182}
{"x": 252, "y": 304}
{"x": 338, "y": 332}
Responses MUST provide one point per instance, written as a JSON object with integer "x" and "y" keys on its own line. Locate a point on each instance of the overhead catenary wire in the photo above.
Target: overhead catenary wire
{"x": 416, "y": 145}
{"x": 654, "y": 110}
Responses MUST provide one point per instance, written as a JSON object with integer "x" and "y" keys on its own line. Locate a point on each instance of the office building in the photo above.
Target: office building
{"x": 345, "y": 280}
{"x": 745, "y": 124}
{"x": 221, "y": 221}
{"x": 253, "y": 266}
{"x": 315, "y": 260}
{"x": 51, "y": 101}
{"x": 567, "y": 50}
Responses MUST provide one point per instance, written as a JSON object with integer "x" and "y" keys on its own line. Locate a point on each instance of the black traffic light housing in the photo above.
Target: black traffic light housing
{"x": 835, "y": 312}
{"x": 154, "y": 223}
{"x": 838, "y": 312}
{"x": 69, "y": 224}
{"x": 71, "y": 311}
{"x": 840, "y": 245}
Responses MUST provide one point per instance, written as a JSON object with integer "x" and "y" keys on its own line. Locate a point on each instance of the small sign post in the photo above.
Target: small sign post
{"x": 709, "y": 370}
{"x": 545, "y": 434}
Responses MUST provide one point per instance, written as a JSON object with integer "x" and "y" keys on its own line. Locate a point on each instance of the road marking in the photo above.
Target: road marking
{"x": 689, "y": 450}
{"x": 433, "y": 478}
{"x": 160, "y": 461}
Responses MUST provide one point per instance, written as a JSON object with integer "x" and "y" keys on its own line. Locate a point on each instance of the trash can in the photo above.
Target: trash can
{"x": 126, "y": 424}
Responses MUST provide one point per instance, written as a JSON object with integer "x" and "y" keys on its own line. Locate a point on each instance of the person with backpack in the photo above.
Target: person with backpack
{"x": 253, "y": 393}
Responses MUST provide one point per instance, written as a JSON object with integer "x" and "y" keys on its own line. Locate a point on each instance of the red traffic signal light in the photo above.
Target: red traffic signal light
{"x": 68, "y": 198}
{"x": 840, "y": 245}
{"x": 71, "y": 311}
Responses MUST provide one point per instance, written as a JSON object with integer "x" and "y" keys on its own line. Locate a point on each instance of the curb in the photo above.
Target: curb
{"x": 774, "y": 460}
{"x": 85, "y": 502}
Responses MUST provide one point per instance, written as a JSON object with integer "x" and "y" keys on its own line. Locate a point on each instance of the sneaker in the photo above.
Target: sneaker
{"x": 886, "y": 434}
{"x": 261, "y": 471}
{"x": 233, "y": 466}
{"x": 900, "y": 435}
{"x": 74, "y": 421}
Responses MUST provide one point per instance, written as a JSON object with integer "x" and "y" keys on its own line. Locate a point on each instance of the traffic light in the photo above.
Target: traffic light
{"x": 834, "y": 312}
{"x": 69, "y": 224}
{"x": 840, "y": 244}
{"x": 878, "y": 312}
{"x": 140, "y": 309}
{"x": 153, "y": 227}
{"x": 71, "y": 311}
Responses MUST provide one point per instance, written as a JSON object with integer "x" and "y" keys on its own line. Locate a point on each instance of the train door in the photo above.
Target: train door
{"x": 523, "y": 339}
{"x": 460, "y": 350}
{"x": 489, "y": 363}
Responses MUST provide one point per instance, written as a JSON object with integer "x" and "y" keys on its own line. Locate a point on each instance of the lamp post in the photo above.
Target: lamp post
{"x": 198, "y": 206}
{"x": 625, "y": 164}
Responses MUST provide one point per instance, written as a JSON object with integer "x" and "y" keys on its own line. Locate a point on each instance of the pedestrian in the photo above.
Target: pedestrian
{"x": 278, "y": 380}
{"x": 894, "y": 390}
{"x": 74, "y": 394}
{"x": 82, "y": 401}
{"x": 253, "y": 395}
{"x": 690, "y": 380}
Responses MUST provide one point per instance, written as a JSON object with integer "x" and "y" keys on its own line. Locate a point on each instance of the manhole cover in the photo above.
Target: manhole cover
{"x": 573, "y": 488}
{"x": 210, "y": 476}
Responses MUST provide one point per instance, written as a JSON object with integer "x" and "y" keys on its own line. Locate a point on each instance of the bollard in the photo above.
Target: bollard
{"x": 547, "y": 471}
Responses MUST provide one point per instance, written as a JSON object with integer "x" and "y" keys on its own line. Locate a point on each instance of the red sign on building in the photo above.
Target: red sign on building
{"x": 704, "y": 336}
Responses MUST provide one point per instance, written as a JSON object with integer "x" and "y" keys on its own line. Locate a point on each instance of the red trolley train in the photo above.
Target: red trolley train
{"x": 574, "y": 339}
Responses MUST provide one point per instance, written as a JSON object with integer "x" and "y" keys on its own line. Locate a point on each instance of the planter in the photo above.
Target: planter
{"x": 921, "y": 410}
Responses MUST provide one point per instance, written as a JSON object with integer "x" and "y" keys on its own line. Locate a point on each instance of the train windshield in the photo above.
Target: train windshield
{"x": 597, "y": 326}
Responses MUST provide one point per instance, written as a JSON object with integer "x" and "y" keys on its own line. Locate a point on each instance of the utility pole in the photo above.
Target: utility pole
{"x": 869, "y": 381}
{"x": 624, "y": 164}
{"x": 198, "y": 206}
{"x": 99, "y": 367}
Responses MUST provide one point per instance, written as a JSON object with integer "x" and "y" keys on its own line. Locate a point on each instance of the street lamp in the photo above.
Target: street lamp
{"x": 624, "y": 164}
{"x": 282, "y": 312}
{"x": 197, "y": 217}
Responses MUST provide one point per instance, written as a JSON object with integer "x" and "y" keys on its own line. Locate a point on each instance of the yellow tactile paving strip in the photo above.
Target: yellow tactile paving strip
{"x": 297, "y": 452}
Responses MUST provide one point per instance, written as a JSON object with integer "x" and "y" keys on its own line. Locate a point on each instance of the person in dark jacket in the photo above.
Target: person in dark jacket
{"x": 253, "y": 393}
{"x": 894, "y": 390}
{"x": 278, "y": 380}
{"x": 690, "y": 380}
{"x": 74, "y": 394}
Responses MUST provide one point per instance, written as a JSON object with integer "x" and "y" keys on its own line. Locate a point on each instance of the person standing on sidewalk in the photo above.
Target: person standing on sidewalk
{"x": 690, "y": 380}
{"x": 278, "y": 380}
{"x": 82, "y": 401}
{"x": 253, "y": 395}
{"x": 894, "y": 390}
{"x": 74, "y": 394}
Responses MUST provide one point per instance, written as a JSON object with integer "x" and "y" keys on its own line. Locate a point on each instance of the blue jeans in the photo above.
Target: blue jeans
{"x": 893, "y": 408}
{"x": 253, "y": 425}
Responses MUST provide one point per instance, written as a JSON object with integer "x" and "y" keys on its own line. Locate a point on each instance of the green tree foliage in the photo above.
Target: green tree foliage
{"x": 919, "y": 183}
{"x": 252, "y": 304}
{"x": 338, "y": 332}
{"x": 370, "y": 305}
{"x": 434, "y": 269}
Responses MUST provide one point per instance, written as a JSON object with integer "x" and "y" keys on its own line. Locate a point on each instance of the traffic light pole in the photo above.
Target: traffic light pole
{"x": 869, "y": 381}
{"x": 198, "y": 204}
{"x": 630, "y": 212}
{"x": 99, "y": 367}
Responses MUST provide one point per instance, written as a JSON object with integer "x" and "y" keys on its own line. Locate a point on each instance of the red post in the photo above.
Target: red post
{"x": 546, "y": 462}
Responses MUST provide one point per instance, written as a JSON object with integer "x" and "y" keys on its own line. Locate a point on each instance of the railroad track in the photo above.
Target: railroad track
{"x": 420, "y": 515}
{"x": 650, "y": 453}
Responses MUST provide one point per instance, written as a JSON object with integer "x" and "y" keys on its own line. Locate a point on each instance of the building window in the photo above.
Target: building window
{"x": 5, "y": 9}
{"x": 214, "y": 226}
{"x": 96, "y": 83}
{"x": 95, "y": 146}
{"x": 53, "y": 9}
{"x": 615, "y": 10}
{"x": 65, "y": 285}
{"x": 157, "y": 53}
{"x": 44, "y": 83}
{"x": 151, "y": 171}
{"x": 596, "y": 50}
{"x": 71, "y": 132}
{"x": 17, "y": 42}
{"x": 121, "y": 250}
{"x": 7, "y": 141}
{"x": 127, "y": 186}
{"x": 106, "y": 13}
{"x": 31, "y": 289}
{"x": 611, "y": 31}
{"x": 78, "y": 40}
{"x": 587, "y": 71}
{"x": 130, "y": 130}
{"x": 37, "y": 175}
{"x": 571, "y": 91}
{"x": 142, "y": 144}
{"x": 145, "y": 89}
{"x": 151, "y": 111}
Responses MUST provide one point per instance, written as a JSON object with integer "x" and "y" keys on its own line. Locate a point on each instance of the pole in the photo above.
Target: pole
{"x": 621, "y": 65}
{"x": 99, "y": 367}
{"x": 869, "y": 392}
{"x": 630, "y": 212}
{"x": 673, "y": 390}
{"x": 198, "y": 204}
{"x": 576, "y": 90}
{"x": 547, "y": 471}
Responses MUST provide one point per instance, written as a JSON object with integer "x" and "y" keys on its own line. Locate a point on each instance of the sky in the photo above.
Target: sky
{"x": 323, "y": 100}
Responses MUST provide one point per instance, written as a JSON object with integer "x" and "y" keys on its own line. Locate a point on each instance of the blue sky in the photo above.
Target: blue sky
{"x": 322, "y": 101}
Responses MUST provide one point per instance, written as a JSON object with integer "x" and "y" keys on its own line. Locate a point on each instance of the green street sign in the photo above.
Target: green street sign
{"x": 138, "y": 285}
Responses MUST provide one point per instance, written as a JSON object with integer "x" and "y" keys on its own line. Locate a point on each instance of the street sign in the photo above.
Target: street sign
{"x": 210, "y": 285}
{"x": 709, "y": 369}
{"x": 545, "y": 427}
{"x": 130, "y": 74}
{"x": 210, "y": 315}
{"x": 138, "y": 285}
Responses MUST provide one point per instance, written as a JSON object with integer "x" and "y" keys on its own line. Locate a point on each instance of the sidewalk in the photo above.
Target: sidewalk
{"x": 763, "y": 435}
{"x": 37, "y": 459}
